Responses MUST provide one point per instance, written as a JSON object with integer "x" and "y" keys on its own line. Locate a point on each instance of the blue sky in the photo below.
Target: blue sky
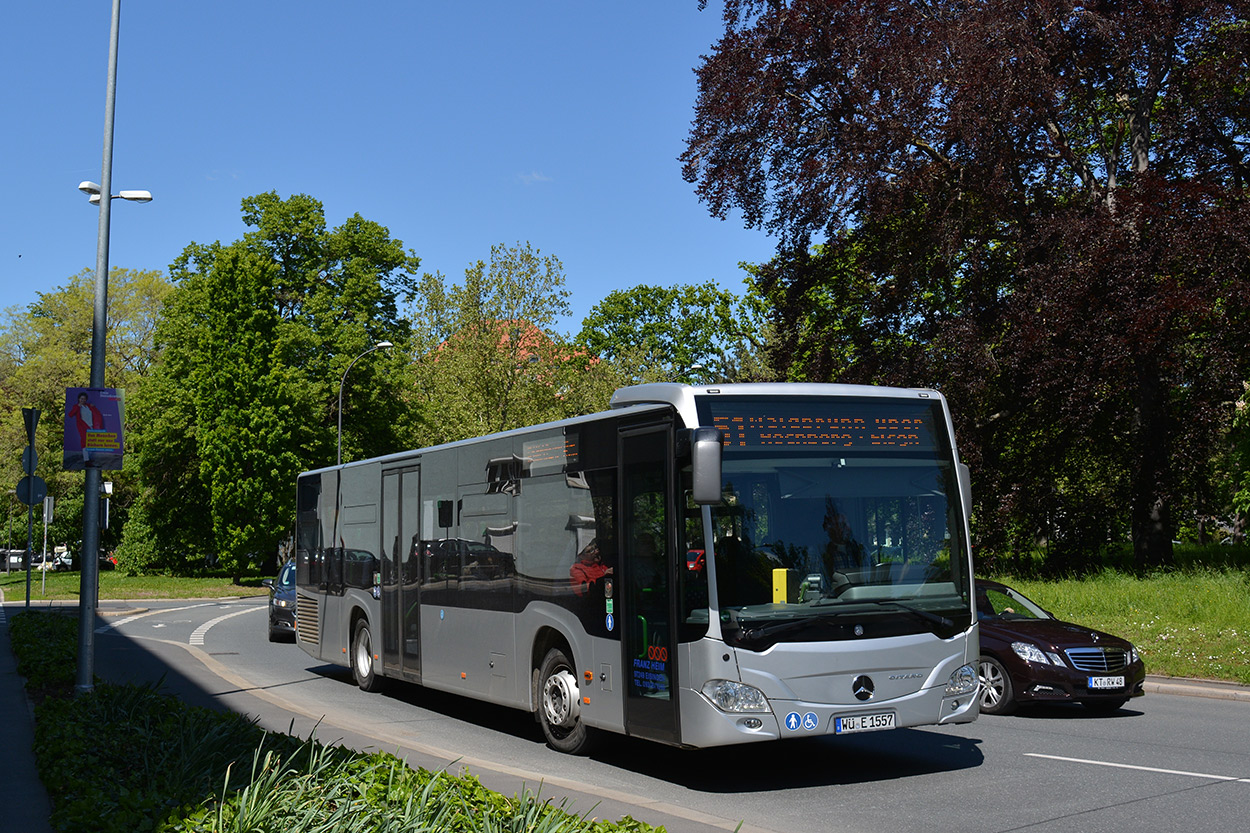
{"x": 455, "y": 125}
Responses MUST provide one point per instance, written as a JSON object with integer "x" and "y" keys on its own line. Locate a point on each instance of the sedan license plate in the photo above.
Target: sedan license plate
{"x": 863, "y": 723}
{"x": 1106, "y": 682}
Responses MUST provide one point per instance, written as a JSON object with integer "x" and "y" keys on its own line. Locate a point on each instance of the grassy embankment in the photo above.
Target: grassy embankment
{"x": 114, "y": 584}
{"x": 127, "y": 758}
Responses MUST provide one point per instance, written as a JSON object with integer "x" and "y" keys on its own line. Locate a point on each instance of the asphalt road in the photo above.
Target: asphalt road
{"x": 1164, "y": 763}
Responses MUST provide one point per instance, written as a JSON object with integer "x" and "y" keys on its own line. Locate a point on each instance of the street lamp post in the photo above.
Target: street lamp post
{"x": 89, "y": 586}
{"x": 379, "y": 346}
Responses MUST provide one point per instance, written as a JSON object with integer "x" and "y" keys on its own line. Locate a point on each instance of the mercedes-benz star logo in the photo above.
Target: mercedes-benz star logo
{"x": 862, "y": 687}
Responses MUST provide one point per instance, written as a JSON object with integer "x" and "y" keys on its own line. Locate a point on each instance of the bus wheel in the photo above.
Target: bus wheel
{"x": 362, "y": 658}
{"x": 559, "y": 707}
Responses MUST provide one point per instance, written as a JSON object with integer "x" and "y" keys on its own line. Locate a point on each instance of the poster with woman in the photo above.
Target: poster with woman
{"x": 93, "y": 428}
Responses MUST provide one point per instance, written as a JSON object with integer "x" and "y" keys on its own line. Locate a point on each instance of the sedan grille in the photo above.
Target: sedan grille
{"x": 1097, "y": 660}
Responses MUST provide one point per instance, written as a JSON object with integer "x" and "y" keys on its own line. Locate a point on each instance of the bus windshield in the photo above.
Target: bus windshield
{"x": 839, "y": 519}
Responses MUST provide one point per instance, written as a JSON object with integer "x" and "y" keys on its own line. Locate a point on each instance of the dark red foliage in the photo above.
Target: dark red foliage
{"x": 1038, "y": 206}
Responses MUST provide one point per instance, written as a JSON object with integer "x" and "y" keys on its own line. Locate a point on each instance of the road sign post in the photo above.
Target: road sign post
{"x": 47, "y": 518}
{"x": 30, "y": 489}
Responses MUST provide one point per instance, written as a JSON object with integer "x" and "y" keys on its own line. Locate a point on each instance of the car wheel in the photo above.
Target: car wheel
{"x": 1104, "y": 706}
{"x": 996, "y": 694}
{"x": 362, "y": 658}
{"x": 559, "y": 705}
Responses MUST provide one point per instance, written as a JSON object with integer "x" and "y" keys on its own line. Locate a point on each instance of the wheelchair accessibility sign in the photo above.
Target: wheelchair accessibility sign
{"x": 807, "y": 722}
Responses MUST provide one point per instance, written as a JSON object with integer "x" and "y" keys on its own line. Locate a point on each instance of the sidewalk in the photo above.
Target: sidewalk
{"x": 25, "y": 802}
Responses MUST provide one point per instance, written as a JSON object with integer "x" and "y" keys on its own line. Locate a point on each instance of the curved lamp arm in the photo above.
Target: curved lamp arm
{"x": 379, "y": 346}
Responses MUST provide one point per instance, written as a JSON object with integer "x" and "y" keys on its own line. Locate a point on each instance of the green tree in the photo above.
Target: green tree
{"x": 254, "y": 343}
{"x": 45, "y": 348}
{"x": 683, "y": 333}
{"x": 487, "y": 356}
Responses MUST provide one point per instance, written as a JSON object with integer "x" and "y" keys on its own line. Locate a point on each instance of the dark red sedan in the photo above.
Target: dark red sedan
{"x": 1029, "y": 656}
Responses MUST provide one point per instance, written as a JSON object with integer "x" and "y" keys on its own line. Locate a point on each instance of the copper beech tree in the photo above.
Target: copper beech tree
{"x": 1038, "y": 206}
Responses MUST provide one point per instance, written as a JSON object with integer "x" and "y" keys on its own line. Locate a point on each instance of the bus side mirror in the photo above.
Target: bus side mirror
{"x": 965, "y": 489}
{"x": 705, "y": 449}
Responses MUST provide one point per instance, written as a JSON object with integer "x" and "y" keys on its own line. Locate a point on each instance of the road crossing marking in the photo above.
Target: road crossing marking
{"x": 1140, "y": 768}
{"x": 197, "y": 636}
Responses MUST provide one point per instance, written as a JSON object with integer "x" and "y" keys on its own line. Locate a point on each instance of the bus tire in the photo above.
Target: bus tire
{"x": 362, "y": 658}
{"x": 559, "y": 705}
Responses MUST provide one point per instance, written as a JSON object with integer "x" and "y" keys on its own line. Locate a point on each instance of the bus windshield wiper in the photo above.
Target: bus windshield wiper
{"x": 935, "y": 618}
{"x": 760, "y": 631}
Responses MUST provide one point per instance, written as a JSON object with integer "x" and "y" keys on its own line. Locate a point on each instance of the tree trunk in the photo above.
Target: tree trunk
{"x": 1151, "y": 496}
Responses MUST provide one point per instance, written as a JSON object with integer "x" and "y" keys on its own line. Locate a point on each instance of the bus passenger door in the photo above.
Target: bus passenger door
{"x": 647, "y": 578}
{"x": 401, "y": 581}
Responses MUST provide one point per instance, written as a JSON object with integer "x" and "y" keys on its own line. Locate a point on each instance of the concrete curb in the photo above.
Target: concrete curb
{"x": 1186, "y": 687}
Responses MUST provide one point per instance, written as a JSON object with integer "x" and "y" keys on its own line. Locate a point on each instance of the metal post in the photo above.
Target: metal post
{"x": 30, "y": 547}
{"x": 43, "y": 587}
{"x": 89, "y": 587}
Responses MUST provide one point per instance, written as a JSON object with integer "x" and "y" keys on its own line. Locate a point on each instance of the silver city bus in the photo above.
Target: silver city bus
{"x": 698, "y": 566}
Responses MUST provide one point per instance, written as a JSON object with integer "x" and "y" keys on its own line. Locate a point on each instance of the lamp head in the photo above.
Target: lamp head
{"x": 89, "y": 187}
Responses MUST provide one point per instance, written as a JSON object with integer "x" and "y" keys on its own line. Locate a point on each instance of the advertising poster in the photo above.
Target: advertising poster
{"x": 93, "y": 428}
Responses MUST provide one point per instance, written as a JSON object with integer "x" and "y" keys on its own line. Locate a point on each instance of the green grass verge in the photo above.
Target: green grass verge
{"x": 128, "y": 758}
{"x": 115, "y": 584}
{"x": 1186, "y": 623}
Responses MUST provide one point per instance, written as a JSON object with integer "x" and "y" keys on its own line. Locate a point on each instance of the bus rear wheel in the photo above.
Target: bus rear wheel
{"x": 559, "y": 705}
{"x": 362, "y": 658}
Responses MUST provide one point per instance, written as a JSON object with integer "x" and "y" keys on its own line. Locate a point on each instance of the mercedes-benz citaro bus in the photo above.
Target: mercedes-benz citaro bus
{"x": 699, "y": 566}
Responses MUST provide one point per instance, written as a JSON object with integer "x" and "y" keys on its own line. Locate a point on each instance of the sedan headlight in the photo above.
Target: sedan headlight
{"x": 283, "y": 603}
{"x": 1029, "y": 652}
{"x": 732, "y": 697}
{"x": 962, "y": 681}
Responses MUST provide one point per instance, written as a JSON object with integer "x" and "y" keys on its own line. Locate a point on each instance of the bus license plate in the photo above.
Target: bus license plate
{"x": 863, "y": 723}
{"x": 1106, "y": 682}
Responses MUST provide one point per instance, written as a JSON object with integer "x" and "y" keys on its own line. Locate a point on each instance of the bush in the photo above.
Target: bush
{"x": 46, "y": 646}
{"x": 137, "y": 553}
{"x": 128, "y": 759}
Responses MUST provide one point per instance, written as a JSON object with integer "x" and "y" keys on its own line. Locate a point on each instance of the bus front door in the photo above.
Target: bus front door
{"x": 648, "y": 609}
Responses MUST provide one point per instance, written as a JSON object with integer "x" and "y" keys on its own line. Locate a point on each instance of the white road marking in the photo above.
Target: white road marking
{"x": 197, "y": 636}
{"x": 109, "y": 625}
{"x": 1141, "y": 768}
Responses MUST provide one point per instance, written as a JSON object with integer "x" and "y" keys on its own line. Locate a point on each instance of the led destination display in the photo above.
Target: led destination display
{"x": 845, "y": 425}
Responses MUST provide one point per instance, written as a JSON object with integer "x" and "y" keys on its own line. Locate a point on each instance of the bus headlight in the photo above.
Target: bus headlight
{"x": 732, "y": 697}
{"x": 962, "y": 681}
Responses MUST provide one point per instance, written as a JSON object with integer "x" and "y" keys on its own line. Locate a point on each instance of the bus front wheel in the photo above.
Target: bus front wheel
{"x": 362, "y": 658}
{"x": 559, "y": 706}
